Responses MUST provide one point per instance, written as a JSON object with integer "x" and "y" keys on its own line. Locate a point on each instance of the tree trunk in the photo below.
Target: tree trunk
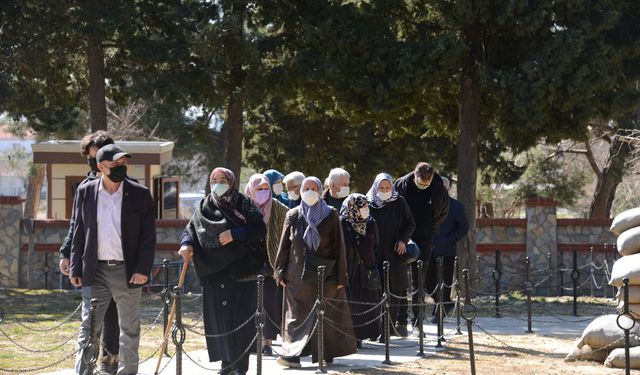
{"x": 234, "y": 133}
{"x": 235, "y": 120}
{"x": 613, "y": 171}
{"x": 467, "y": 166}
{"x": 97, "y": 100}
{"x": 34, "y": 188}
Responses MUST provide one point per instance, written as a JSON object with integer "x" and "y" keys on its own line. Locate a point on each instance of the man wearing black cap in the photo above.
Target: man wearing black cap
{"x": 112, "y": 251}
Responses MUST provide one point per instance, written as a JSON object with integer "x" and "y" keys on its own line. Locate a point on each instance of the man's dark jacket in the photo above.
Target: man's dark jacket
{"x": 453, "y": 229}
{"x": 138, "y": 231}
{"x": 439, "y": 205}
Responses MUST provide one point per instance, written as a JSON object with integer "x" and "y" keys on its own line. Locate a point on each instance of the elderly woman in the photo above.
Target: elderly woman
{"x": 225, "y": 236}
{"x": 292, "y": 182}
{"x": 395, "y": 224}
{"x": 312, "y": 236}
{"x": 276, "y": 185}
{"x": 361, "y": 240}
{"x": 338, "y": 188}
{"x": 273, "y": 213}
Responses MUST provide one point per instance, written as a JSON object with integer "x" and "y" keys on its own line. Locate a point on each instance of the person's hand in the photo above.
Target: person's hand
{"x": 401, "y": 248}
{"x": 76, "y": 281}
{"x": 138, "y": 279}
{"x": 340, "y": 286}
{"x": 280, "y": 281}
{"x": 64, "y": 266}
{"x": 225, "y": 237}
{"x": 186, "y": 251}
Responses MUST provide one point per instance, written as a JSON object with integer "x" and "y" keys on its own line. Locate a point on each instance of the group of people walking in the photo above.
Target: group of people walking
{"x": 235, "y": 236}
{"x": 310, "y": 225}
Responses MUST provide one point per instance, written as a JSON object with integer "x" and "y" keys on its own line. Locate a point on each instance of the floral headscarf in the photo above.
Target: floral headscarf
{"x": 250, "y": 191}
{"x": 372, "y": 194}
{"x": 350, "y": 211}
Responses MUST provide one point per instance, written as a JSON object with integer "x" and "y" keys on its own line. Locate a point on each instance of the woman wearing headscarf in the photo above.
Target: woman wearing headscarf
{"x": 395, "y": 224}
{"x": 276, "y": 185}
{"x": 312, "y": 236}
{"x": 225, "y": 236}
{"x": 361, "y": 241}
{"x": 273, "y": 213}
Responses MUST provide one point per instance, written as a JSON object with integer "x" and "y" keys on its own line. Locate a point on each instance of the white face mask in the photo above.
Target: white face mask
{"x": 384, "y": 196}
{"x": 310, "y": 197}
{"x": 293, "y": 196}
{"x": 343, "y": 192}
{"x": 364, "y": 212}
{"x": 277, "y": 188}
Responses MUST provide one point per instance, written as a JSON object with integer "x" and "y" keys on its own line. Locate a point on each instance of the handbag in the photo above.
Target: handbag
{"x": 310, "y": 267}
{"x": 411, "y": 254}
{"x": 370, "y": 277}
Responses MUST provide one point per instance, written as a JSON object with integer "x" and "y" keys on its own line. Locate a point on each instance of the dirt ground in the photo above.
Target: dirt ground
{"x": 507, "y": 354}
{"x": 526, "y": 354}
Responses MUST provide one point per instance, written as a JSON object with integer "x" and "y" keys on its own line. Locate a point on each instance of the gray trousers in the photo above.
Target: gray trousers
{"x": 111, "y": 282}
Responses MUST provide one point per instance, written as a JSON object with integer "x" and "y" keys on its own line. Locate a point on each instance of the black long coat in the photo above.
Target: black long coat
{"x": 395, "y": 223}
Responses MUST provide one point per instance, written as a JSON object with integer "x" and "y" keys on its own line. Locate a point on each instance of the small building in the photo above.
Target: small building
{"x": 66, "y": 168}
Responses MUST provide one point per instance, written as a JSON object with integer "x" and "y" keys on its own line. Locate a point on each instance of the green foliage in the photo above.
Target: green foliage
{"x": 549, "y": 177}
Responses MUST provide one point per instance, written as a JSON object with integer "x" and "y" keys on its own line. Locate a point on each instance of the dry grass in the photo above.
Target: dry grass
{"x": 526, "y": 354}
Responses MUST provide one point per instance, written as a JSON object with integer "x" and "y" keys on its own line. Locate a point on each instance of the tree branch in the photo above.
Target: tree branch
{"x": 592, "y": 160}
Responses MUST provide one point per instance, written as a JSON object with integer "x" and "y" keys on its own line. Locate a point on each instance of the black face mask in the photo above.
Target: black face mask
{"x": 93, "y": 164}
{"x": 118, "y": 173}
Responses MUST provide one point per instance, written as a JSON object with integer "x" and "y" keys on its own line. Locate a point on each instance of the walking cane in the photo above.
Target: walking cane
{"x": 167, "y": 330}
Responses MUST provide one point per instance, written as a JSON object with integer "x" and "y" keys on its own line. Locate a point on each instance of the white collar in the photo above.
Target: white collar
{"x": 101, "y": 187}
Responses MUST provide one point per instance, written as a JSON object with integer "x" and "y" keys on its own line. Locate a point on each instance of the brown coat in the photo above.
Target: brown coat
{"x": 300, "y": 297}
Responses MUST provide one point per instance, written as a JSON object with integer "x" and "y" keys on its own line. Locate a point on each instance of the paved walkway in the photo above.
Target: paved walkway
{"x": 373, "y": 354}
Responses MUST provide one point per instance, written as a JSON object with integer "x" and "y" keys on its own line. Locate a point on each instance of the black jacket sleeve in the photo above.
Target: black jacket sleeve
{"x": 147, "y": 236}
{"x": 77, "y": 238}
{"x": 440, "y": 198}
{"x": 408, "y": 224}
{"x": 460, "y": 224}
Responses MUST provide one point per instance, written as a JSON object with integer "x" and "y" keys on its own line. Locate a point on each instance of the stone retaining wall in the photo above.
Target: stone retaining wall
{"x": 549, "y": 243}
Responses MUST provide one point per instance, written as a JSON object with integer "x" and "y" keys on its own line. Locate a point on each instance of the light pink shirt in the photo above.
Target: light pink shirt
{"x": 109, "y": 218}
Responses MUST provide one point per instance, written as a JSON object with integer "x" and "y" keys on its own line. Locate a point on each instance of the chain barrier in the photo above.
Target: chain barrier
{"x": 58, "y": 325}
{"x": 36, "y": 369}
{"x": 376, "y": 306}
{"x": 36, "y": 350}
{"x": 218, "y": 335}
{"x": 153, "y": 324}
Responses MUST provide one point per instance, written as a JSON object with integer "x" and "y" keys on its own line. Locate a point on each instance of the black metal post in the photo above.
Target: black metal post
{"x": 605, "y": 268}
{"x": 90, "y": 350}
{"x": 45, "y": 270}
{"x": 420, "y": 317}
{"x": 440, "y": 305}
{"x": 561, "y": 268}
{"x": 575, "y": 275}
{"x": 456, "y": 266}
{"x": 550, "y": 270}
{"x": 178, "y": 333}
{"x": 259, "y": 324}
{"x": 166, "y": 297}
{"x": 387, "y": 313}
{"x": 591, "y": 272}
{"x": 496, "y": 274}
{"x": 627, "y": 359}
{"x": 320, "y": 315}
{"x": 467, "y": 302}
{"x": 528, "y": 287}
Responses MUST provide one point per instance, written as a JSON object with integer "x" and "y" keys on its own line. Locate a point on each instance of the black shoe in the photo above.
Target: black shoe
{"x": 291, "y": 362}
{"x": 329, "y": 360}
{"x": 108, "y": 364}
{"x": 401, "y": 330}
{"x": 266, "y": 350}
{"x": 381, "y": 339}
{"x": 359, "y": 344}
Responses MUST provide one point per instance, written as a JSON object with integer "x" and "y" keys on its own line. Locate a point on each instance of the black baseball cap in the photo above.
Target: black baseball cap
{"x": 111, "y": 153}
